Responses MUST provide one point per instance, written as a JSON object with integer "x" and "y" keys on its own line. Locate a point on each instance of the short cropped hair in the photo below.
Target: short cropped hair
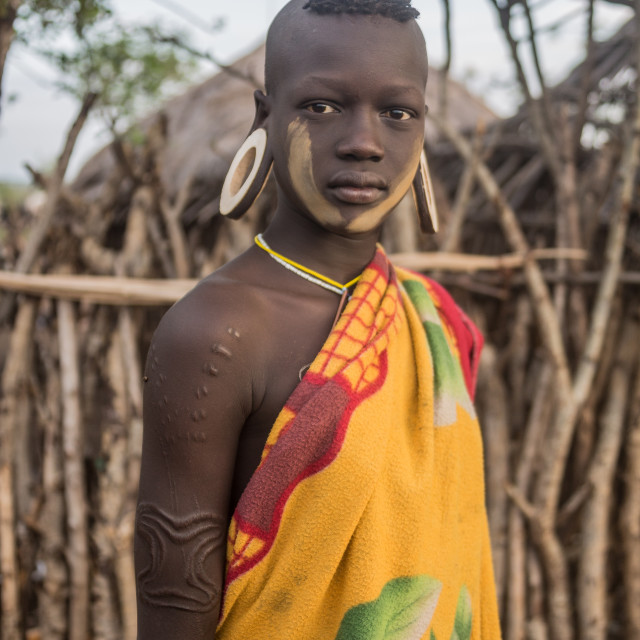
{"x": 400, "y": 10}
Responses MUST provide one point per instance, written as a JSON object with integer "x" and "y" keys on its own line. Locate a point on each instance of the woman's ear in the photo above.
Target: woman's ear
{"x": 263, "y": 107}
{"x": 251, "y": 165}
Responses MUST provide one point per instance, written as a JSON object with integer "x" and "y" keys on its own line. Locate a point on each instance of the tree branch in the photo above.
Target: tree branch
{"x": 38, "y": 234}
{"x": 536, "y": 59}
{"x": 444, "y": 72}
{"x": 545, "y": 133}
{"x": 583, "y": 99}
{"x": 8, "y": 14}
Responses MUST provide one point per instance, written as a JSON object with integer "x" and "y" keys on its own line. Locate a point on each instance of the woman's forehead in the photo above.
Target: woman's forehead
{"x": 353, "y": 46}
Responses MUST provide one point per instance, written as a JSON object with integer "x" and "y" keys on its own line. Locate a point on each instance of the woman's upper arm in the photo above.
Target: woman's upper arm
{"x": 196, "y": 399}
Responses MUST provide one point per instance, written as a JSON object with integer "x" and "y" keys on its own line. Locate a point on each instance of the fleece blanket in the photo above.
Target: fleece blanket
{"x": 366, "y": 519}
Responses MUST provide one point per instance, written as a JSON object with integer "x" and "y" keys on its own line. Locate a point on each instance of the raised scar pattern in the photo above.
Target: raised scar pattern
{"x": 210, "y": 368}
{"x": 221, "y": 350}
{"x": 197, "y": 536}
{"x": 202, "y": 392}
{"x": 198, "y": 414}
{"x": 197, "y": 437}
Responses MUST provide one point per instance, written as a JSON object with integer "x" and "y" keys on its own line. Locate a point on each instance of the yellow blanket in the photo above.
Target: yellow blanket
{"x": 365, "y": 519}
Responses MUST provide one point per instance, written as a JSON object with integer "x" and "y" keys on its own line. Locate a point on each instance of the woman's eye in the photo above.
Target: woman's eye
{"x": 321, "y": 107}
{"x": 397, "y": 114}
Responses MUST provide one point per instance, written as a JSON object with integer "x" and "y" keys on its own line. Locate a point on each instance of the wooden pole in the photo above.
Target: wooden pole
{"x": 13, "y": 378}
{"x": 592, "y": 565}
{"x": 52, "y": 597}
{"x": 630, "y": 520}
{"x": 496, "y": 446}
{"x": 74, "y": 477}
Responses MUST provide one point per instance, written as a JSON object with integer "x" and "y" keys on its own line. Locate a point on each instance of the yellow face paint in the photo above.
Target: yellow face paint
{"x": 300, "y": 165}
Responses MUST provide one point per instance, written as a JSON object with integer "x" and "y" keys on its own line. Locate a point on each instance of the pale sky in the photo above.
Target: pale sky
{"x": 34, "y": 123}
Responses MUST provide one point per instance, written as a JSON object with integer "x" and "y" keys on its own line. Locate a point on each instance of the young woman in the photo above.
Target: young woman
{"x": 312, "y": 462}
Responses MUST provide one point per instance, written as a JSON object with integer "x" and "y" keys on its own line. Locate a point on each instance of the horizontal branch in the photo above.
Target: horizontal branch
{"x": 141, "y": 291}
{"x": 510, "y": 281}
{"x": 98, "y": 289}
{"x": 471, "y": 263}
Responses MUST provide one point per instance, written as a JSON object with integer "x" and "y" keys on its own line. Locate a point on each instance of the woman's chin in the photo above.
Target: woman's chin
{"x": 354, "y": 221}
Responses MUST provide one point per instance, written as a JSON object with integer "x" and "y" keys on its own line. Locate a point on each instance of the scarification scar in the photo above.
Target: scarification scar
{"x": 220, "y": 349}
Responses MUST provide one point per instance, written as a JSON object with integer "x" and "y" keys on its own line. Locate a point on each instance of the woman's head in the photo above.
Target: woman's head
{"x": 344, "y": 108}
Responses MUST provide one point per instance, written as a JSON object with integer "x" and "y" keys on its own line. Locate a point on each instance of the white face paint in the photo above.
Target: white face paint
{"x": 300, "y": 167}
{"x": 341, "y": 216}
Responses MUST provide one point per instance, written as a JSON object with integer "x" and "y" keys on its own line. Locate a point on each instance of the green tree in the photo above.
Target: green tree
{"x": 127, "y": 67}
{"x": 39, "y": 17}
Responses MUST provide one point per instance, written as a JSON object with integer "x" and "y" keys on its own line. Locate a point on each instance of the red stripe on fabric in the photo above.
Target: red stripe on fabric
{"x": 269, "y": 537}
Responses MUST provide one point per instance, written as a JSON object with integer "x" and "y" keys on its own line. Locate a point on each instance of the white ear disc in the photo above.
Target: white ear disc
{"x": 240, "y": 178}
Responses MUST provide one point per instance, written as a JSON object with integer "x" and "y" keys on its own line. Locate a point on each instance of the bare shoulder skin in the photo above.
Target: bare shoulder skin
{"x": 195, "y": 404}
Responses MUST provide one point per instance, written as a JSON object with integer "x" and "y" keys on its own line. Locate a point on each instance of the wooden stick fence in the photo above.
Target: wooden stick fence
{"x": 558, "y": 397}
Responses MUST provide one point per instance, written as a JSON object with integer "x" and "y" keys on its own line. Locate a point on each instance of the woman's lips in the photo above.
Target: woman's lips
{"x": 357, "y": 195}
{"x": 354, "y": 187}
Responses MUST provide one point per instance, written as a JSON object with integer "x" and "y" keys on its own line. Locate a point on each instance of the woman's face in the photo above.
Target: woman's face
{"x": 346, "y": 118}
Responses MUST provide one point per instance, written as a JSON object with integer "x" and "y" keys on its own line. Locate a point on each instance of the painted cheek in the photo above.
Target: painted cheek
{"x": 396, "y": 191}
{"x": 300, "y": 167}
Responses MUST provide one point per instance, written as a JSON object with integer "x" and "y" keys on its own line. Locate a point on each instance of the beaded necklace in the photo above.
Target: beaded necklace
{"x": 304, "y": 272}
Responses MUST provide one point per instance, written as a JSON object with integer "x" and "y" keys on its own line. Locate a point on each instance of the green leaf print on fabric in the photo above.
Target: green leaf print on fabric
{"x": 402, "y": 611}
{"x": 450, "y": 389}
{"x": 462, "y": 624}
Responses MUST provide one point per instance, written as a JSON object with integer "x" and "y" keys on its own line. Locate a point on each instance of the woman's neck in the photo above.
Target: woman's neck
{"x": 303, "y": 240}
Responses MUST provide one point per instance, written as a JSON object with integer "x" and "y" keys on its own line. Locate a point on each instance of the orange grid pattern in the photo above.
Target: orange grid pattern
{"x": 362, "y": 333}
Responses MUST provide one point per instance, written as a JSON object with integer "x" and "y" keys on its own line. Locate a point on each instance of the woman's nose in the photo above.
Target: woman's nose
{"x": 361, "y": 139}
